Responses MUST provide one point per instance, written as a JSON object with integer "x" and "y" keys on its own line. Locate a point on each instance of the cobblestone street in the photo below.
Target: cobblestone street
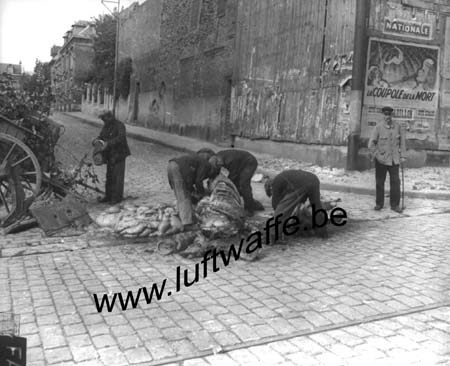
{"x": 377, "y": 292}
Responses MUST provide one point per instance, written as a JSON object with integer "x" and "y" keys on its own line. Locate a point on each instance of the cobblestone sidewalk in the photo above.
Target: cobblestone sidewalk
{"x": 301, "y": 303}
{"x": 414, "y": 339}
{"x": 366, "y": 272}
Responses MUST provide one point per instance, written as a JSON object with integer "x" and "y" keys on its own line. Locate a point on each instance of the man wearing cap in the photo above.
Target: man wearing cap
{"x": 387, "y": 146}
{"x": 115, "y": 151}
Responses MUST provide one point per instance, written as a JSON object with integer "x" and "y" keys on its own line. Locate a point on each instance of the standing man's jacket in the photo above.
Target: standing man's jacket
{"x": 236, "y": 160}
{"x": 387, "y": 144}
{"x": 114, "y": 133}
{"x": 194, "y": 171}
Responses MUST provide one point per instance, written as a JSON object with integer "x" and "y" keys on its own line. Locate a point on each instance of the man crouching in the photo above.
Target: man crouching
{"x": 186, "y": 175}
{"x": 290, "y": 189}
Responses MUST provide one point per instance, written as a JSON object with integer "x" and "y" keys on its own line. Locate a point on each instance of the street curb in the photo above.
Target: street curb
{"x": 371, "y": 192}
{"x": 133, "y": 135}
{"x": 323, "y": 186}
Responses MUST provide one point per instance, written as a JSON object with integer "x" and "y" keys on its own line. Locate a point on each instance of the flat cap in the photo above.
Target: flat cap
{"x": 387, "y": 110}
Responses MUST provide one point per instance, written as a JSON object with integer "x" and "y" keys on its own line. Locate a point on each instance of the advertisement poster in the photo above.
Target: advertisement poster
{"x": 405, "y": 77}
{"x": 407, "y": 28}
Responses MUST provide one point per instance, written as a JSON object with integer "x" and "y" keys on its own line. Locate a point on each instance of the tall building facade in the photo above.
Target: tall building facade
{"x": 70, "y": 64}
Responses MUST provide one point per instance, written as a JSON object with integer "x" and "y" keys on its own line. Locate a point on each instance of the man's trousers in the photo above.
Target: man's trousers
{"x": 182, "y": 194}
{"x": 115, "y": 177}
{"x": 380, "y": 177}
{"x": 244, "y": 186}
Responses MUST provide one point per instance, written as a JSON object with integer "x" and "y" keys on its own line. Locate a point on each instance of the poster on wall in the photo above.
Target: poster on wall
{"x": 404, "y": 76}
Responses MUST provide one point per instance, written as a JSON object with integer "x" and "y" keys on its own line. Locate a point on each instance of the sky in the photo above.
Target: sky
{"x": 29, "y": 28}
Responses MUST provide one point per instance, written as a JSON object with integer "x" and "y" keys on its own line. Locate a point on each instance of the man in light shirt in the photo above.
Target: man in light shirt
{"x": 387, "y": 146}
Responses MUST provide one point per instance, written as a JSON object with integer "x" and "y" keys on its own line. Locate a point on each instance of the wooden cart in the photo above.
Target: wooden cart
{"x": 16, "y": 156}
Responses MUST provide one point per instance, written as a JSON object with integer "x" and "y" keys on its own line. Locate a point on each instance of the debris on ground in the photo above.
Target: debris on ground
{"x": 131, "y": 221}
{"x": 222, "y": 213}
{"x": 68, "y": 213}
{"x": 220, "y": 216}
{"x": 416, "y": 179}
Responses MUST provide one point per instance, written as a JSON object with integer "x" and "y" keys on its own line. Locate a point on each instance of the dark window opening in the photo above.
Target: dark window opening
{"x": 195, "y": 13}
{"x": 221, "y": 7}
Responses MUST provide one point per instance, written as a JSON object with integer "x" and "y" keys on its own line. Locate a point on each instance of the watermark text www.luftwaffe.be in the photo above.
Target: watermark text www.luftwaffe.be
{"x": 254, "y": 241}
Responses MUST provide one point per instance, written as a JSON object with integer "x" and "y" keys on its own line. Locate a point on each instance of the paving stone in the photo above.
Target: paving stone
{"x": 74, "y": 329}
{"x": 112, "y": 356}
{"x": 307, "y": 345}
{"x": 138, "y": 355}
{"x": 267, "y": 355}
{"x": 149, "y": 333}
{"x": 98, "y": 329}
{"x": 221, "y": 360}
{"x": 202, "y": 340}
{"x": 104, "y": 340}
{"x": 33, "y": 340}
{"x": 122, "y": 330}
{"x": 79, "y": 340}
{"x": 226, "y": 338}
{"x": 35, "y": 354}
{"x": 174, "y": 333}
{"x": 57, "y": 355}
{"x": 183, "y": 347}
{"x": 160, "y": 349}
{"x": 52, "y": 340}
{"x": 129, "y": 341}
{"x": 244, "y": 332}
{"x": 84, "y": 353}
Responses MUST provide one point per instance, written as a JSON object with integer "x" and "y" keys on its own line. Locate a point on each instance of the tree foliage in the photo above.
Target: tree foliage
{"x": 34, "y": 95}
{"x": 37, "y": 87}
{"x": 27, "y": 107}
{"x": 102, "y": 71}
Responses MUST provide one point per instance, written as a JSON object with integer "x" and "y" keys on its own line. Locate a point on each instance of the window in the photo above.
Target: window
{"x": 221, "y": 7}
{"x": 195, "y": 13}
{"x": 186, "y": 85}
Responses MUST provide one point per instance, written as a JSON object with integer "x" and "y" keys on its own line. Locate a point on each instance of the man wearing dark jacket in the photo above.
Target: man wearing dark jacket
{"x": 291, "y": 188}
{"x": 115, "y": 151}
{"x": 186, "y": 175}
{"x": 241, "y": 166}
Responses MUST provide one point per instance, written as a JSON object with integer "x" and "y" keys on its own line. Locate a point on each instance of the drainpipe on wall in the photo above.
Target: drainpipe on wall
{"x": 358, "y": 74}
{"x": 116, "y": 59}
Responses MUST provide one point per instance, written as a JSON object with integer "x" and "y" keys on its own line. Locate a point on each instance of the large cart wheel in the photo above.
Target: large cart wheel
{"x": 19, "y": 155}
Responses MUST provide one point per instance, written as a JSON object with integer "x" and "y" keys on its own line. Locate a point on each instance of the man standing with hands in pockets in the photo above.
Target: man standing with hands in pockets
{"x": 387, "y": 146}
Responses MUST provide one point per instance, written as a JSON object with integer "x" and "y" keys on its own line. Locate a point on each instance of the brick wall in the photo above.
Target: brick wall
{"x": 197, "y": 43}
{"x": 139, "y": 39}
{"x": 182, "y": 53}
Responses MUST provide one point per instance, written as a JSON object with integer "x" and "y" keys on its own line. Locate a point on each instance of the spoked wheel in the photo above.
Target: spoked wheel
{"x": 18, "y": 155}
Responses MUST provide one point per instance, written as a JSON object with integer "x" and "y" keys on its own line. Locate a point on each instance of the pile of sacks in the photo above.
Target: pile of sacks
{"x": 219, "y": 215}
{"x": 131, "y": 221}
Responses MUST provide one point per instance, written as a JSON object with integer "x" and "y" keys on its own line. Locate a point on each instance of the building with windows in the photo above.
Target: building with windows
{"x": 15, "y": 71}
{"x": 299, "y": 79}
{"x": 70, "y": 65}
